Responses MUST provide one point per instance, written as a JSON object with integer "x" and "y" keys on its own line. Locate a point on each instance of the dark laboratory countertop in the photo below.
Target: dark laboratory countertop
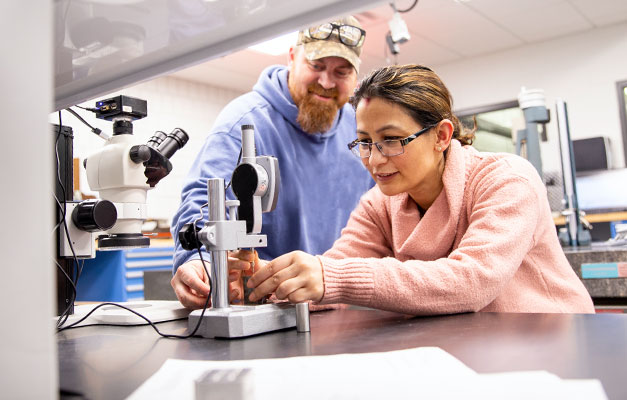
{"x": 111, "y": 362}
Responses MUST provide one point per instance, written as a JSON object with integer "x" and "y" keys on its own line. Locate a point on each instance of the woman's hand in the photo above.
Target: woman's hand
{"x": 241, "y": 263}
{"x": 296, "y": 276}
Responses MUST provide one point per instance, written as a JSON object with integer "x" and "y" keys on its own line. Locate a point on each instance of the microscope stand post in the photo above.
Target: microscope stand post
{"x": 224, "y": 320}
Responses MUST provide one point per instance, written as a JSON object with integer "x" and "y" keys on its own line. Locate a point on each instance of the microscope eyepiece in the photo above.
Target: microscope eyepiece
{"x": 172, "y": 143}
{"x": 157, "y": 139}
{"x": 161, "y": 148}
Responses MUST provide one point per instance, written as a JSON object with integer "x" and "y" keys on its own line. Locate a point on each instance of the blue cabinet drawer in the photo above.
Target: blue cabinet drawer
{"x": 119, "y": 275}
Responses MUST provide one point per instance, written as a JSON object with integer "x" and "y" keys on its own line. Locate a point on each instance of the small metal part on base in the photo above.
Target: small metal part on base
{"x": 302, "y": 317}
{"x": 248, "y": 291}
{"x": 242, "y": 321}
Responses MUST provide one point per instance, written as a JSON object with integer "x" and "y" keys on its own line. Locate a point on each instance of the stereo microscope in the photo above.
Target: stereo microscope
{"x": 255, "y": 182}
{"x": 122, "y": 172}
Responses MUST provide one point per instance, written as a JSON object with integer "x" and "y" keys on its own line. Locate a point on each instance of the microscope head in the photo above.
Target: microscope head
{"x": 123, "y": 170}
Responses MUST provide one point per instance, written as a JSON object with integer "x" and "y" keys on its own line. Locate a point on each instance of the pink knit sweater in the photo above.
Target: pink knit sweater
{"x": 488, "y": 243}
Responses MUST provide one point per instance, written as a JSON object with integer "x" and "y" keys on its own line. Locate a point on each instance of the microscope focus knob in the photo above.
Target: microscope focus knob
{"x": 139, "y": 154}
{"x": 94, "y": 215}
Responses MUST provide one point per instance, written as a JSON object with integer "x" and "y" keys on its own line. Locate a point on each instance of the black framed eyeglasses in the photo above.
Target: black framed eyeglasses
{"x": 349, "y": 35}
{"x": 388, "y": 148}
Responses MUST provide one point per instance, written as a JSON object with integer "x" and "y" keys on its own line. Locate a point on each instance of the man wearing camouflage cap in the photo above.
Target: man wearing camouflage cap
{"x": 301, "y": 116}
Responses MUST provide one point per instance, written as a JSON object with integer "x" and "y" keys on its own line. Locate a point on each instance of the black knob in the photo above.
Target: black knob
{"x": 94, "y": 215}
{"x": 139, "y": 154}
{"x": 188, "y": 237}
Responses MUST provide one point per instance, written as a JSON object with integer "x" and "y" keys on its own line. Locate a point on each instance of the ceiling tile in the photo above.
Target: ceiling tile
{"x": 212, "y": 75}
{"x": 460, "y": 29}
{"x": 441, "y": 31}
{"x": 602, "y": 12}
{"x": 417, "y": 50}
{"x": 424, "y": 51}
{"x": 498, "y": 9}
{"x": 534, "y": 21}
{"x": 238, "y": 71}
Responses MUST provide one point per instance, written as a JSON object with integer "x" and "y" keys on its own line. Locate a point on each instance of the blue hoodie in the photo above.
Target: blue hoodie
{"x": 321, "y": 181}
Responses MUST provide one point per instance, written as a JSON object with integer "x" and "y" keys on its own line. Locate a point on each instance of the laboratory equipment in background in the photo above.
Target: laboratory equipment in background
{"x": 255, "y": 182}
{"x": 592, "y": 155}
{"x": 398, "y": 33}
{"x": 576, "y": 232}
{"x": 532, "y": 103}
{"x": 122, "y": 172}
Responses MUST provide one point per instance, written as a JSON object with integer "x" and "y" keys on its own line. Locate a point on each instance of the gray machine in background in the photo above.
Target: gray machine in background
{"x": 531, "y": 102}
{"x": 576, "y": 231}
{"x": 255, "y": 182}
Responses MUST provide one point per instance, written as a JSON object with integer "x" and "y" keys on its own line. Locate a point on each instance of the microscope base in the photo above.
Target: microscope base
{"x": 242, "y": 321}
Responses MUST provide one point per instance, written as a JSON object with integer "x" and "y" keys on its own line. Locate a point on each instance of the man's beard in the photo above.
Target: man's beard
{"x": 316, "y": 115}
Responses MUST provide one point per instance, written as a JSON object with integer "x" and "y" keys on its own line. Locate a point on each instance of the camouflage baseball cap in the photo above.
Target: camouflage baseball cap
{"x": 340, "y": 38}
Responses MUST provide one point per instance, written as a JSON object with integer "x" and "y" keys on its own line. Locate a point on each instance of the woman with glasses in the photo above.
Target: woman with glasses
{"x": 446, "y": 229}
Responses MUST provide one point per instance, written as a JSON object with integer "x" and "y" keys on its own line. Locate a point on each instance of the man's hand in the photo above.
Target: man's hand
{"x": 191, "y": 284}
{"x": 296, "y": 276}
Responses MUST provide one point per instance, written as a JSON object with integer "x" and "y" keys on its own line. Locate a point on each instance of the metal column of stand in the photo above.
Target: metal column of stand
{"x": 231, "y": 321}
{"x": 219, "y": 266}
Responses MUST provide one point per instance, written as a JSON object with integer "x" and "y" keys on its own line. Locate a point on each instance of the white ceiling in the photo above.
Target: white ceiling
{"x": 442, "y": 31}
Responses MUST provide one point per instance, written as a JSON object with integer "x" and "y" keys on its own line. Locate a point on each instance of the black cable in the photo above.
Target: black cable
{"x": 97, "y": 131}
{"x": 62, "y": 210}
{"x": 57, "y": 226}
{"x": 152, "y": 324}
{"x": 73, "y": 282}
{"x": 405, "y": 10}
{"x": 66, "y": 275}
{"x": 62, "y": 207}
{"x": 239, "y": 158}
{"x": 120, "y": 325}
{"x": 87, "y": 108}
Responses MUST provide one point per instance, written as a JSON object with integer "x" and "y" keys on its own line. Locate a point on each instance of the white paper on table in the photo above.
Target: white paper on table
{"x": 534, "y": 385}
{"x": 425, "y": 372}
